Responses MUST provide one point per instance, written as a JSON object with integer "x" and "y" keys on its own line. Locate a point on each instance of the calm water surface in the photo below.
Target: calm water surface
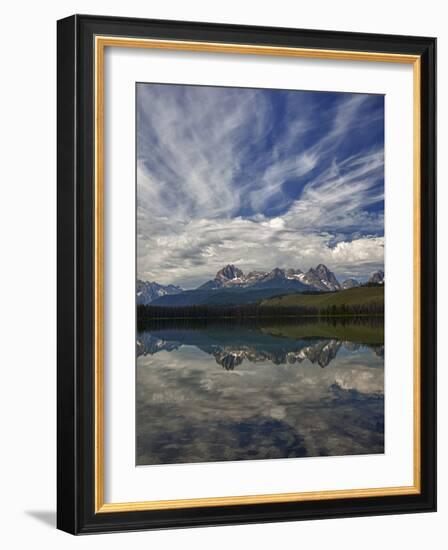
{"x": 223, "y": 391}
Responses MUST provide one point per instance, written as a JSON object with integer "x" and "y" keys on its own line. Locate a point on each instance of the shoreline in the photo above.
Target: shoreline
{"x": 291, "y": 316}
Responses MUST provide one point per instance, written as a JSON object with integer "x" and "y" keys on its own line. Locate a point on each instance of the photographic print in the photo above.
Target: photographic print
{"x": 260, "y": 274}
{"x": 222, "y": 225}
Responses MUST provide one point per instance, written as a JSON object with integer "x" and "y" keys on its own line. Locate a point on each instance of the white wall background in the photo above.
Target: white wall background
{"x": 27, "y": 288}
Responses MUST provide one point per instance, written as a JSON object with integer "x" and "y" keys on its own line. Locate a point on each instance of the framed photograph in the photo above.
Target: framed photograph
{"x": 246, "y": 274}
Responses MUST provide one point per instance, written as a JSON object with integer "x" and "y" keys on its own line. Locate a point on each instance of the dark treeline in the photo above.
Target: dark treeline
{"x": 199, "y": 323}
{"x": 373, "y": 308}
{"x": 255, "y": 311}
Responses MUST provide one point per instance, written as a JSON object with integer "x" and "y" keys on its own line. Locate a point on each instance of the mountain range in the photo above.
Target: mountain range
{"x": 147, "y": 292}
{"x": 231, "y": 286}
{"x": 320, "y": 278}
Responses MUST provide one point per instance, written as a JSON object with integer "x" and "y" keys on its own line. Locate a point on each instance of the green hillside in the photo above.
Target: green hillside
{"x": 351, "y": 297}
{"x": 365, "y": 333}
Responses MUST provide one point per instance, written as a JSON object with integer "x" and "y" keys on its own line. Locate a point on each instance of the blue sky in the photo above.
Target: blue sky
{"x": 259, "y": 178}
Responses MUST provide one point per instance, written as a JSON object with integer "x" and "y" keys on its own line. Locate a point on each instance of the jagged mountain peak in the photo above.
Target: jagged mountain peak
{"x": 321, "y": 278}
{"x": 377, "y": 277}
{"x": 277, "y": 272}
{"x": 148, "y": 291}
{"x": 229, "y": 272}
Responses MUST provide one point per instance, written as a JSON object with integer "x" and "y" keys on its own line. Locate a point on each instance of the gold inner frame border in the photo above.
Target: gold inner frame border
{"x": 100, "y": 43}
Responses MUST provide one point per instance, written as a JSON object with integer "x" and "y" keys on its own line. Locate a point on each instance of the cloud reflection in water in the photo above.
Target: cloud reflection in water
{"x": 217, "y": 394}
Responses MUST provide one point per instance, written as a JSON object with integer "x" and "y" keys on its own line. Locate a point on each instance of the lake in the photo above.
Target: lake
{"x": 279, "y": 388}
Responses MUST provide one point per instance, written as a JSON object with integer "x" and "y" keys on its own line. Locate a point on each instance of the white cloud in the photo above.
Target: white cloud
{"x": 204, "y": 186}
{"x": 192, "y": 253}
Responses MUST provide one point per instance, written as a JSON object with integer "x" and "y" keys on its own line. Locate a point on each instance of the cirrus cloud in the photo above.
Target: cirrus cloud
{"x": 259, "y": 178}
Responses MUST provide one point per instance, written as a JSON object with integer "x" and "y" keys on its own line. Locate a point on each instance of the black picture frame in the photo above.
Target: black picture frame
{"x": 76, "y": 271}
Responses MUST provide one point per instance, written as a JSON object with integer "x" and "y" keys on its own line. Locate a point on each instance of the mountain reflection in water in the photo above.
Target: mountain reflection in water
{"x": 268, "y": 400}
